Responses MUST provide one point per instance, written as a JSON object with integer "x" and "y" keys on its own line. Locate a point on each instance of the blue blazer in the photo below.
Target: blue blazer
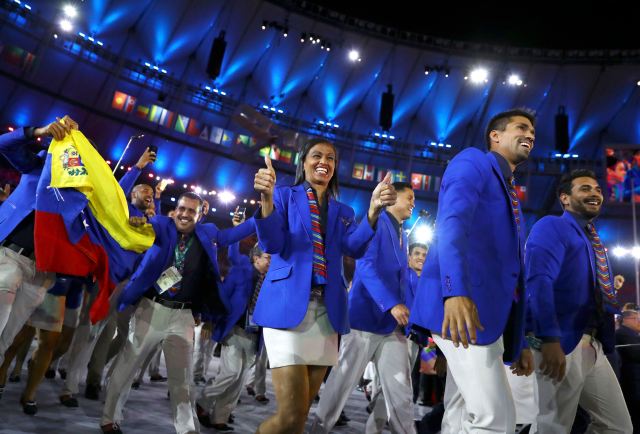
{"x": 22, "y": 200}
{"x": 286, "y": 235}
{"x": 477, "y": 252}
{"x": 160, "y": 254}
{"x": 379, "y": 282}
{"x": 561, "y": 282}
{"x": 238, "y": 289}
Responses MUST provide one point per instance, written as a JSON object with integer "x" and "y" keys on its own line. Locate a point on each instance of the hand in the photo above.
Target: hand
{"x": 524, "y": 365}
{"x": 440, "y": 366}
{"x": 57, "y": 129}
{"x": 160, "y": 187}
{"x": 264, "y": 183}
{"x": 460, "y": 317}
{"x": 554, "y": 362}
{"x": 205, "y": 332}
{"x": 146, "y": 158}
{"x": 5, "y": 192}
{"x": 137, "y": 222}
{"x": 401, "y": 314}
{"x": 383, "y": 195}
{"x": 618, "y": 281}
{"x": 238, "y": 218}
{"x": 150, "y": 212}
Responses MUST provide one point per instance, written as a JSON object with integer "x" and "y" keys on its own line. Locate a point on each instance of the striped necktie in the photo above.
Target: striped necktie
{"x": 603, "y": 275}
{"x": 256, "y": 292}
{"x": 319, "y": 260}
{"x": 513, "y": 196}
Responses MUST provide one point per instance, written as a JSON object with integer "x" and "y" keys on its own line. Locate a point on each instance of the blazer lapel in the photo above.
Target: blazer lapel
{"x": 332, "y": 217}
{"x": 302, "y": 204}
{"x": 498, "y": 172}
{"x": 394, "y": 236}
{"x": 587, "y": 243}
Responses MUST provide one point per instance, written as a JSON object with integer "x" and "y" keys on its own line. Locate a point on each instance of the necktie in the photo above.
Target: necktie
{"x": 319, "y": 261}
{"x": 603, "y": 275}
{"x": 513, "y": 196}
{"x": 256, "y": 292}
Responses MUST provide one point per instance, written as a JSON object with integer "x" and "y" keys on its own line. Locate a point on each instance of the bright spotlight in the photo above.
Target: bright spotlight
{"x": 70, "y": 11}
{"x": 226, "y": 197}
{"x": 619, "y": 252}
{"x": 423, "y": 234}
{"x": 479, "y": 75}
{"x": 514, "y": 80}
{"x": 66, "y": 25}
{"x": 635, "y": 252}
{"x": 354, "y": 56}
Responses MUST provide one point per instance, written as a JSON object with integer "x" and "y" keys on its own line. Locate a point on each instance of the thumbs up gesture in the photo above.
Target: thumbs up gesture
{"x": 383, "y": 195}
{"x": 264, "y": 183}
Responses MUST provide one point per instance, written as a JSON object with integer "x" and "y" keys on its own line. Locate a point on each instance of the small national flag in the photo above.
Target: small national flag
{"x": 181, "y": 124}
{"x": 16, "y": 56}
{"x": 285, "y": 156}
{"x": 436, "y": 183}
{"x": 521, "y": 191}
{"x": 227, "y": 139}
{"x": 399, "y": 176}
{"x": 195, "y": 128}
{"x": 155, "y": 113}
{"x": 166, "y": 118}
{"x": 216, "y": 134}
{"x": 204, "y": 134}
{"x": 242, "y": 139}
{"x": 142, "y": 111}
{"x": 122, "y": 101}
{"x": 383, "y": 172}
{"x": 369, "y": 169}
{"x": 358, "y": 171}
{"x": 420, "y": 181}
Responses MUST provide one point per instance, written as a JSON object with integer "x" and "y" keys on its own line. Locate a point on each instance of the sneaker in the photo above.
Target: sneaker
{"x": 14, "y": 378}
{"x": 251, "y": 391}
{"x": 92, "y": 392}
{"x": 262, "y": 399}
{"x": 157, "y": 378}
{"x": 29, "y": 407}
{"x": 63, "y": 373}
{"x": 50, "y": 374}
{"x": 69, "y": 401}
{"x": 111, "y": 428}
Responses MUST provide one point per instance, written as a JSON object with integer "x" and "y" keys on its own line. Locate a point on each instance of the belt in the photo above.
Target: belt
{"x": 29, "y": 253}
{"x": 170, "y": 303}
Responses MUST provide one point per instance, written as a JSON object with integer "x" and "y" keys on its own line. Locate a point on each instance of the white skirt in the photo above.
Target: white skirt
{"x": 313, "y": 342}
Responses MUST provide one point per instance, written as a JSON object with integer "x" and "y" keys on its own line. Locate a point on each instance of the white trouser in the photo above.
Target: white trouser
{"x": 477, "y": 396}
{"x": 378, "y": 417}
{"x": 257, "y": 377}
{"x": 523, "y": 392}
{"x": 22, "y": 290}
{"x": 589, "y": 381}
{"x": 152, "y": 362}
{"x": 153, "y": 323}
{"x": 204, "y": 354}
{"x": 389, "y": 353}
{"x": 236, "y": 356}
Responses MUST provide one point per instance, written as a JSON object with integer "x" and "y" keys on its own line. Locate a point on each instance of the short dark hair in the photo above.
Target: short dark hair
{"x": 256, "y": 250}
{"x": 192, "y": 195}
{"x": 300, "y": 178}
{"x": 501, "y": 120}
{"x": 566, "y": 182}
{"x": 415, "y": 245}
{"x": 612, "y": 161}
{"x": 402, "y": 186}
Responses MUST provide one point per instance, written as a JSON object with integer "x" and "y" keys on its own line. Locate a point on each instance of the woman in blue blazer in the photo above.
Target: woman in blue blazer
{"x": 303, "y": 301}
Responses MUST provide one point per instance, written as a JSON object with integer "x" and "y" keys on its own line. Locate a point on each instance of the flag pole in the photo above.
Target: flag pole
{"x": 139, "y": 136}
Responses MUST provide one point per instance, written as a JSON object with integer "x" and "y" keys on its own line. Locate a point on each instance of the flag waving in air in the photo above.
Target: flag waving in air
{"x": 82, "y": 219}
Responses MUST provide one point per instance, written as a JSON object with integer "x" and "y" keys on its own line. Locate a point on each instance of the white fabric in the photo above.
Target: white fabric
{"x": 312, "y": 342}
{"x": 153, "y": 323}
{"x": 590, "y": 382}
{"x": 257, "y": 377}
{"x": 71, "y": 317}
{"x": 477, "y": 396}
{"x": 49, "y": 315}
{"x": 389, "y": 353}
{"x": 204, "y": 352}
{"x": 523, "y": 392}
{"x": 238, "y": 352}
{"x": 22, "y": 289}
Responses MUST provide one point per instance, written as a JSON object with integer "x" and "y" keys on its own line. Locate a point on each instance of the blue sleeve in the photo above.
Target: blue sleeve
{"x": 356, "y": 238}
{"x": 271, "y": 230}
{"x": 158, "y": 205}
{"x": 128, "y": 180}
{"x": 229, "y": 236}
{"x": 236, "y": 258}
{"x": 368, "y": 271}
{"x": 459, "y": 195}
{"x": 12, "y": 146}
{"x": 544, "y": 254}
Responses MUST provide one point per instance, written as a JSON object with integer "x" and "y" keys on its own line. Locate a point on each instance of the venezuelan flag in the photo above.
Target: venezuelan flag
{"x": 82, "y": 220}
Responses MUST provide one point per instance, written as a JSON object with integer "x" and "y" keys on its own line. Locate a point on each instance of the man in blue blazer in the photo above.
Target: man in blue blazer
{"x": 377, "y": 315}
{"x": 471, "y": 287}
{"x": 572, "y": 304}
{"x": 177, "y": 278}
{"x": 22, "y": 287}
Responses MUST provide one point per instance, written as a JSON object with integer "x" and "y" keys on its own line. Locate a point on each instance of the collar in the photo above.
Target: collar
{"x": 396, "y": 224}
{"x": 505, "y": 169}
{"x": 582, "y": 222}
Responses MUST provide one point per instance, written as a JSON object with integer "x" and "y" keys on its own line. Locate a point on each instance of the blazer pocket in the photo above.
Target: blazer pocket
{"x": 280, "y": 273}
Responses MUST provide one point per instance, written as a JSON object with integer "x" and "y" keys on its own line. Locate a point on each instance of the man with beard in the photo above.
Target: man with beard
{"x": 472, "y": 283}
{"x": 572, "y": 305}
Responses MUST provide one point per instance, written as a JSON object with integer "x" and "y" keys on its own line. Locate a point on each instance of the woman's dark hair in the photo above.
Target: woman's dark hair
{"x": 332, "y": 189}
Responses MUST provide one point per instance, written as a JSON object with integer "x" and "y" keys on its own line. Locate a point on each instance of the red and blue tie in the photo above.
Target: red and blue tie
{"x": 603, "y": 275}
{"x": 319, "y": 260}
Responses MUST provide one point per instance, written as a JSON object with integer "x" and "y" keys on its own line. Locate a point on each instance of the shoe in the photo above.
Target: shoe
{"x": 231, "y": 419}
{"x": 221, "y": 427}
{"x": 199, "y": 381}
{"x": 203, "y": 417}
{"x": 92, "y": 392}
{"x": 157, "y": 378}
{"x": 135, "y": 385}
{"x": 262, "y": 399}
{"x": 344, "y": 416}
{"x": 50, "y": 374}
{"x": 111, "y": 428}
{"x": 341, "y": 421}
{"x": 14, "y": 378}
{"x": 29, "y": 407}
{"x": 69, "y": 401}
{"x": 1, "y": 391}
{"x": 251, "y": 391}
{"x": 63, "y": 373}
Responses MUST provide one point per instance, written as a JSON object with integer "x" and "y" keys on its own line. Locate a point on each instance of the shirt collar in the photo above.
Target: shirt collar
{"x": 582, "y": 222}
{"x": 396, "y": 224}
{"x": 504, "y": 166}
